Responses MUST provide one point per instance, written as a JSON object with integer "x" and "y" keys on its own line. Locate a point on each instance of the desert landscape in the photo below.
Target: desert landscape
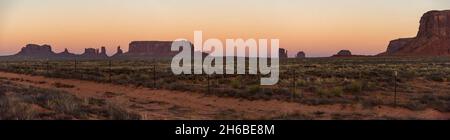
{"x": 323, "y": 88}
{"x": 409, "y": 81}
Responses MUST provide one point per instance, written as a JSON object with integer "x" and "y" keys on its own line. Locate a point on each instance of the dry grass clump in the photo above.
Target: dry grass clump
{"x": 31, "y": 103}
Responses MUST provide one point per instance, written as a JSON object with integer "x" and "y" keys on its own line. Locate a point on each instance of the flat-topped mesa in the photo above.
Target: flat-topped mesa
{"x": 155, "y": 48}
{"x": 33, "y": 50}
{"x": 90, "y": 52}
{"x": 433, "y": 38}
{"x": 151, "y": 49}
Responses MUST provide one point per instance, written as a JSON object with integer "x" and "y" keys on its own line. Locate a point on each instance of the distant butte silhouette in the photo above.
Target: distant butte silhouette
{"x": 343, "y": 53}
{"x": 138, "y": 49}
{"x": 283, "y": 53}
{"x": 301, "y": 54}
{"x": 34, "y": 51}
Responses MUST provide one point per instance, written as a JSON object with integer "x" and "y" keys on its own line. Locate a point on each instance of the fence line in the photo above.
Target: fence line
{"x": 79, "y": 70}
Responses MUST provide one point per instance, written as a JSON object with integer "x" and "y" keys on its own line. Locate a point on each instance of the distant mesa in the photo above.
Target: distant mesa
{"x": 149, "y": 49}
{"x": 283, "y": 53}
{"x": 433, "y": 38}
{"x": 90, "y": 52}
{"x": 300, "y": 54}
{"x": 33, "y": 50}
{"x": 137, "y": 49}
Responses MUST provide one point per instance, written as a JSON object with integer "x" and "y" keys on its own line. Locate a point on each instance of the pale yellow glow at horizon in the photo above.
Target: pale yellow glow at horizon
{"x": 318, "y": 27}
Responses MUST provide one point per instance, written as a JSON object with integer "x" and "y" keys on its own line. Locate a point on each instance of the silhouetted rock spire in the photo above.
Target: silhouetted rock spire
{"x": 283, "y": 53}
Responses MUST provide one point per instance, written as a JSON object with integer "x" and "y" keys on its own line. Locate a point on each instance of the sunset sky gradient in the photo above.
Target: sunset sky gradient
{"x": 318, "y": 27}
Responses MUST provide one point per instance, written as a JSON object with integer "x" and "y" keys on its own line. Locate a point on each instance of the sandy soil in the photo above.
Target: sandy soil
{"x": 165, "y": 104}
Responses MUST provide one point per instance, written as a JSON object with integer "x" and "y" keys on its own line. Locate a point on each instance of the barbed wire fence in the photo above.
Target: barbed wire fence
{"x": 160, "y": 76}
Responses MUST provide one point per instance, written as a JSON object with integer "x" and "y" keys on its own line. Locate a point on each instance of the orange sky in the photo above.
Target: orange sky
{"x": 318, "y": 27}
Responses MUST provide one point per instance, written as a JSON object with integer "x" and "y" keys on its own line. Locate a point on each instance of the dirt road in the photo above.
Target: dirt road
{"x": 165, "y": 104}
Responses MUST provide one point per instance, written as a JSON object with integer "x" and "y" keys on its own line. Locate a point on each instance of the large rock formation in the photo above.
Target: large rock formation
{"x": 92, "y": 53}
{"x": 432, "y": 39}
{"x": 65, "y": 54}
{"x": 283, "y": 53}
{"x": 33, "y": 50}
{"x": 348, "y": 53}
{"x": 343, "y": 53}
{"x": 103, "y": 51}
{"x": 151, "y": 48}
{"x": 138, "y": 49}
{"x": 301, "y": 54}
{"x": 119, "y": 52}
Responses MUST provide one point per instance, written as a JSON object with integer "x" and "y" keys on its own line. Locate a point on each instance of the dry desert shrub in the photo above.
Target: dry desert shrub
{"x": 18, "y": 102}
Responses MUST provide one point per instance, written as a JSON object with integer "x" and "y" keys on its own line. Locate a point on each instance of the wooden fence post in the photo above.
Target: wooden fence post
{"x": 110, "y": 71}
{"x": 209, "y": 88}
{"x": 154, "y": 75}
{"x": 360, "y": 78}
{"x": 47, "y": 68}
{"x": 75, "y": 66}
{"x": 395, "y": 88}
{"x": 295, "y": 84}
